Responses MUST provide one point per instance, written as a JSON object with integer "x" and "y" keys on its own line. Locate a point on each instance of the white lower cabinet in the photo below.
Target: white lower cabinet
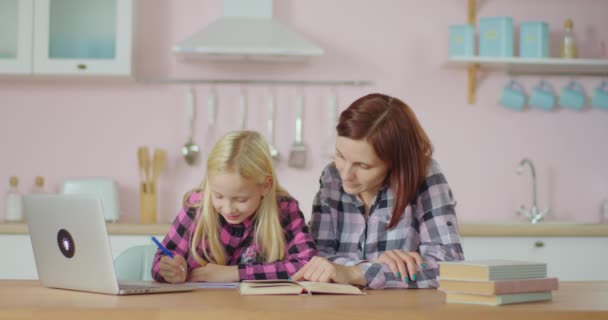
{"x": 567, "y": 258}
{"x": 19, "y": 262}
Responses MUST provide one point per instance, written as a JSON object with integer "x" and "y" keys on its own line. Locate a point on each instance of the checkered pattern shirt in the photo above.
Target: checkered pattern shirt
{"x": 239, "y": 244}
{"x": 428, "y": 226}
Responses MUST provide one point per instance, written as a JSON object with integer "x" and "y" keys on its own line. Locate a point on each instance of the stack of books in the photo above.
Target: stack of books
{"x": 495, "y": 282}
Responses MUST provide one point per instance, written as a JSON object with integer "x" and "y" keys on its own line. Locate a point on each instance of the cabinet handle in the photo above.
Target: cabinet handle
{"x": 539, "y": 244}
{"x": 81, "y": 66}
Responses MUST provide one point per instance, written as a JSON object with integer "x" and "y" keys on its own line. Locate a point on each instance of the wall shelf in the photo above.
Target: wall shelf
{"x": 516, "y": 65}
{"x": 546, "y": 66}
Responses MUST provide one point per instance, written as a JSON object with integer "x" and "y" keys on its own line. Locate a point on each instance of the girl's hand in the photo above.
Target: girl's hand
{"x": 173, "y": 270}
{"x": 215, "y": 273}
{"x": 322, "y": 270}
{"x": 402, "y": 263}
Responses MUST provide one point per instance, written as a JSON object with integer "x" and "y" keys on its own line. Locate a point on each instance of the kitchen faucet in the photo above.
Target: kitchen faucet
{"x": 534, "y": 215}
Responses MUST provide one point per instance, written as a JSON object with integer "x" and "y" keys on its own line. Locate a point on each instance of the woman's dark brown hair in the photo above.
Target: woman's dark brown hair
{"x": 394, "y": 132}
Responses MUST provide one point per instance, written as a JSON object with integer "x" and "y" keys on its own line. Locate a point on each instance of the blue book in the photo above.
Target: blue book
{"x": 496, "y": 300}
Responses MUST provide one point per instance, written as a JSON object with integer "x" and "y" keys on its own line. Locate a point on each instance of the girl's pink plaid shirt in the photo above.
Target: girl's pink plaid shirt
{"x": 238, "y": 243}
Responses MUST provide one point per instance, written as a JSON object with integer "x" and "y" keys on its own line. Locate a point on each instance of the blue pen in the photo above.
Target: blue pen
{"x": 162, "y": 248}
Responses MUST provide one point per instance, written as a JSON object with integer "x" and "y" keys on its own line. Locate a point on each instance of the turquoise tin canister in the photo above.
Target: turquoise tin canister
{"x": 462, "y": 40}
{"x": 534, "y": 39}
{"x": 496, "y": 37}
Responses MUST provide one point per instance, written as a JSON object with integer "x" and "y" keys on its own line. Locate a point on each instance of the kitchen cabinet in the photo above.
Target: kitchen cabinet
{"x": 572, "y": 251}
{"x": 66, "y": 37}
{"x": 568, "y": 258}
{"x": 19, "y": 262}
{"x": 16, "y": 28}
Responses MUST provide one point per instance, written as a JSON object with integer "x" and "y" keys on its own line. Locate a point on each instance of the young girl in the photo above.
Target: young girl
{"x": 239, "y": 225}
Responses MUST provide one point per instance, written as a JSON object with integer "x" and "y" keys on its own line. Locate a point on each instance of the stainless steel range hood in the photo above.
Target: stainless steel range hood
{"x": 247, "y": 31}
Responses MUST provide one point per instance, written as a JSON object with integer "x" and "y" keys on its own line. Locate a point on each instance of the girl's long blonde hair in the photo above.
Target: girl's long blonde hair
{"x": 245, "y": 153}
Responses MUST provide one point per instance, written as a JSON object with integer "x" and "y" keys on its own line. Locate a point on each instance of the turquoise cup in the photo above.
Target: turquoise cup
{"x": 600, "y": 96}
{"x": 542, "y": 96}
{"x": 572, "y": 96}
{"x": 513, "y": 96}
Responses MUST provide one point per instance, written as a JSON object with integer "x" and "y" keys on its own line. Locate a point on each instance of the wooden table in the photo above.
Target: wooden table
{"x": 23, "y": 299}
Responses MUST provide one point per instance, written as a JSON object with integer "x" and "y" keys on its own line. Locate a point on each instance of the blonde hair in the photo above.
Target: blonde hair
{"x": 245, "y": 153}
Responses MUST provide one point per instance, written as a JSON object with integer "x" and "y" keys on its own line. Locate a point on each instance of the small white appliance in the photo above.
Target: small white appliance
{"x": 106, "y": 189}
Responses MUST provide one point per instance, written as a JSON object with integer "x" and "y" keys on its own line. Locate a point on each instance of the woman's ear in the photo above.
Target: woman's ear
{"x": 267, "y": 185}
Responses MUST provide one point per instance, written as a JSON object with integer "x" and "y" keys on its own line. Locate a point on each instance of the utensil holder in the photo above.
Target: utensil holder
{"x": 148, "y": 203}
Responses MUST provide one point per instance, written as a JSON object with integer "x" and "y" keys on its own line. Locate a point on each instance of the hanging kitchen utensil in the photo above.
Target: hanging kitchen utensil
{"x": 211, "y": 114}
{"x": 243, "y": 109}
{"x": 298, "y": 152}
{"x": 274, "y": 152}
{"x": 190, "y": 150}
{"x": 329, "y": 148}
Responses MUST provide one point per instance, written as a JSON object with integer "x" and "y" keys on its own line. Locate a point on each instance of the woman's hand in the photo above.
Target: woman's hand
{"x": 403, "y": 264}
{"x": 173, "y": 270}
{"x": 322, "y": 270}
{"x": 212, "y": 272}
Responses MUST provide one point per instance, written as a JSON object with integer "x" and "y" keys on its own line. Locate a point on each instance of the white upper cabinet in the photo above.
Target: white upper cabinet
{"x": 16, "y": 26}
{"x": 82, "y": 37}
{"x": 68, "y": 37}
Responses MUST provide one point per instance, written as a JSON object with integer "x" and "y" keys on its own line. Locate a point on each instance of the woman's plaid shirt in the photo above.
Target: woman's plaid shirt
{"x": 428, "y": 226}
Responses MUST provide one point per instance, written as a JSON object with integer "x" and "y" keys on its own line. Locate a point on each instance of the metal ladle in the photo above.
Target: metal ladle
{"x": 190, "y": 150}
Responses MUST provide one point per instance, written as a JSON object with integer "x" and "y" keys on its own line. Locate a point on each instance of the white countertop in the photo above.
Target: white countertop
{"x": 466, "y": 229}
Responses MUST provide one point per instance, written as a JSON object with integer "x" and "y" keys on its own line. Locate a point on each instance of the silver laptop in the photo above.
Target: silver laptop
{"x": 72, "y": 248}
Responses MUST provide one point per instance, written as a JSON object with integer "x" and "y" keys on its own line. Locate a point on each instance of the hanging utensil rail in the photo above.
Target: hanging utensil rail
{"x": 352, "y": 83}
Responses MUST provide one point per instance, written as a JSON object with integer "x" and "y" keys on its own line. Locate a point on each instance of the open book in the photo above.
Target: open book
{"x": 293, "y": 287}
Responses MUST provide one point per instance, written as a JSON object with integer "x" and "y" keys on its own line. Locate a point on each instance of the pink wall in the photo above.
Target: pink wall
{"x": 61, "y": 128}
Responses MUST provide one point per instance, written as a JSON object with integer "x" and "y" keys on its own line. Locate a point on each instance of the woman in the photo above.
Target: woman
{"x": 384, "y": 214}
